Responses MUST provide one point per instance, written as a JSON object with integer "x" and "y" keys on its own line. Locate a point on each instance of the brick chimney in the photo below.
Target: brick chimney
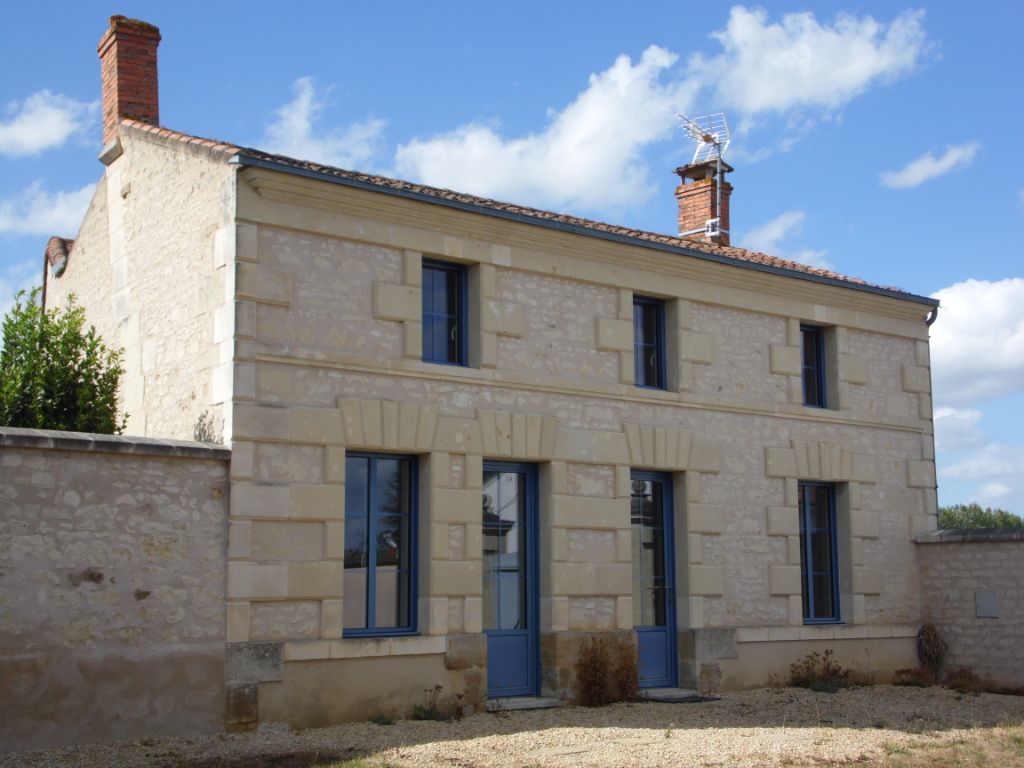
{"x": 698, "y": 196}
{"x": 128, "y": 65}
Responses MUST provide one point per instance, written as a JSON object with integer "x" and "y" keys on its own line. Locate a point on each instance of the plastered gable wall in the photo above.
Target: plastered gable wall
{"x": 331, "y": 340}
{"x": 153, "y": 270}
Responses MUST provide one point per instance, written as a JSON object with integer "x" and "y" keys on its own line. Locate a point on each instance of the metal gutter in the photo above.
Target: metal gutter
{"x": 246, "y": 160}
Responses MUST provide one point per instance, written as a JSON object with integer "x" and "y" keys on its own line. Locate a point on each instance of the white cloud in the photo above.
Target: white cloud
{"x": 799, "y": 62}
{"x": 977, "y": 343}
{"x": 771, "y": 236}
{"x": 20, "y": 276}
{"x": 956, "y": 429}
{"x": 42, "y": 121}
{"x": 292, "y": 132}
{"x": 928, "y": 166}
{"x": 588, "y": 155}
{"x": 34, "y": 211}
{"x": 990, "y": 492}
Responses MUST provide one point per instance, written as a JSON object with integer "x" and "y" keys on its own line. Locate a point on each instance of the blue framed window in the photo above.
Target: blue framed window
{"x": 380, "y": 545}
{"x": 819, "y": 573}
{"x": 812, "y": 341}
{"x": 444, "y": 313}
{"x": 649, "y": 342}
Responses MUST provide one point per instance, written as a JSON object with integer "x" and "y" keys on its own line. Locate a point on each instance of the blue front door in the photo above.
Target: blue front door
{"x": 510, "y": 582}
{"x": 654, "y": 615}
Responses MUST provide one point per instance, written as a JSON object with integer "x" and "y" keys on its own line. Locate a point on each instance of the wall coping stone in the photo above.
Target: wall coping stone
{"x": 968, "y": 535}
{"x": 16, "y": 437}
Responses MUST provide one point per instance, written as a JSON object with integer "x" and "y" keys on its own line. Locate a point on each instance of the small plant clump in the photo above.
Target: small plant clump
{"x": 606, "y": 672}
{"x": 382, "y": 719}
{"x": 914, "y": 677}
{"x": 821, "y": 673}
{"x": 431, "y": 710}
{"x": 931, "y": 649}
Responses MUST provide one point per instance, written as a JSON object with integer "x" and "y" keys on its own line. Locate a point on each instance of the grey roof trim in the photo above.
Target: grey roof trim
{"x": 258, "y": 162}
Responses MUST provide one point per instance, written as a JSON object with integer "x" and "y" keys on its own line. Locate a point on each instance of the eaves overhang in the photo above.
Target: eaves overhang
{"x": 246, "y": 160}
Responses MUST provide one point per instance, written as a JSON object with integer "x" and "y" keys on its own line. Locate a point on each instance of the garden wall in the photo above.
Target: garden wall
{"x": 973, "y": 590}
{"x": 112, "y": 576}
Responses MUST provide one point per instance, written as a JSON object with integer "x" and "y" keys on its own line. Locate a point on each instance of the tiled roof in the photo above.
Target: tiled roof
{"x": 727, "y": 252}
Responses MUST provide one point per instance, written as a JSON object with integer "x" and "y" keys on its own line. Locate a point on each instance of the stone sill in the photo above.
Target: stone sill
{"x": 86, "y": 442}
{"x": 364, "y": 647}
{"x": 970, "y": 535}
{"x": 825, "y": 632}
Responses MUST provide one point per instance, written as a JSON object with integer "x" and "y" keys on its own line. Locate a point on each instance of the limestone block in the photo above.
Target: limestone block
{"x": 706, "y": 580}
{"x": 472, "y": 614}
{"x": 315, "y": 425}
{"x": 317, "y": 502}
{"x": 262, "y": 284}
{"x": 239, "y": 539}
{"x": 794, "y": 611}
{"x": 457, "y": 435}
{"x": 555, "y": 614}
{"x": 242, "y": 453}
{"x": 783, "y": 521}
{"x": 578, "y": 579}
{"x": 455, "y": 578}
{"x": 704, "y": 456}
{"x": 624, "y": 612}
{"x": 695, "y": 549}
{"x": 863, "y": 469}
{"x": 473, "y": 472}
{"x": 455, "y": 505}
{"x": 793, "y": 552}
{"x": 502, "y": 318}
{"x": 853, "y": 369}
{"x": 587, "y": 512}
{"x": 238, "y": 622}
{"x": 784, "y": 360}
{"x": 287, "y": 541}
{"x": 412, "y": 339}
{"x": 784, "y": 580}
{"x": 624, "y": 546}
{"x": 252, "y": 662}
{"x": 794, "y": 337}
{"x": 921, "y": 353}
{"x": 920, "y": 474}
{"x": 924, "y": 406}
{"x": 474, "y": 546}
{"x": 625, "y": 308}
{"x": 684, "y": 313}
{"x": 860, "y": 612}
{"x": 694, "y": 612}
{"x": 613, "y": 335}
{"x": 864, "y": 524}
{"x": 488, "y": 277}
{"x": 704, "y": 518}
{"x": 922, "y": 524}
{"x": 916, "y": 379}
{"x": 360, "y": 647}
{"x": 306, "y": 650}
{"x": 397, "y": 302}
{"x": 438, "y": 541}
{"x": 412, "y": 267}
{"x": 257, "y": 580}
{"x": 780, "y": 462}
{"x": 334, "y": 465}
{"x": 696, "y": 347}
{"x": 623, "y": 483}
{"x": 331, "y": 612}
{"x": 559, "y": 543}
{"x": 591, "y": 446}
{"x": 857, "y": 551}
{"x": 867, "y": 581}
{"x": 259, "y": 422}
{"x": 322, "y": 579}
{"x": 585, "y": 546}
{"x": 334, "y": 540}
{"x": 253, "y": 500}
{"x": 438, "y": 616}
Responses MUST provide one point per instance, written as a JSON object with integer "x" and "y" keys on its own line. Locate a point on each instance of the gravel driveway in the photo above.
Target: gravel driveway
{"x": 756, "y": 728}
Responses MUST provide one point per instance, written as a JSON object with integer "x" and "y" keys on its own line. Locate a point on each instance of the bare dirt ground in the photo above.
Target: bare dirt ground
{"x": 879, "y": 725}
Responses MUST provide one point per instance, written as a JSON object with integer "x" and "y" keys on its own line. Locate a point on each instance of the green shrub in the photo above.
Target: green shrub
{"x": 55, "y": 374}
{"x": 973, "y": 516}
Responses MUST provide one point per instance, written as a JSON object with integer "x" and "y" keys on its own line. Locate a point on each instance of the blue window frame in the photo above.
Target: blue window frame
{"x": 444, "y": 313}
{"x": 649, "y": 342}
{"x": 812, "y": 340}
{"x": 819, "y": 573}
{"x": 380, "y": 545}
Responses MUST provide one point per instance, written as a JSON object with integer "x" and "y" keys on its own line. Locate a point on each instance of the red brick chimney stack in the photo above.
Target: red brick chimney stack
{"x": 128, "y": 65}
{"x": 698, "y": 201}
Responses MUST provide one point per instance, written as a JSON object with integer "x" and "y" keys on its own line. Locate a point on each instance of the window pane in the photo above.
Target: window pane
{"x": 817, "y": 547}
{"x": 650, "y": 586}
{"x": 392, "y": 607}
{"x": 504, "y": 534}
{"x": 647, "y": 343}
{"x": 392, "y": 540}
{"x": 811, "y": 339}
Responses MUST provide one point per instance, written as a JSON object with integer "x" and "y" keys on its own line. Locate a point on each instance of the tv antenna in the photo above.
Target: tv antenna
{"x": 711, "y": 132}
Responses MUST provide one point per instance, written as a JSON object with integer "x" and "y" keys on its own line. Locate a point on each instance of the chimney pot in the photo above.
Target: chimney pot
{"x": 698, "y": 196}
{"x": 127, "y": 54}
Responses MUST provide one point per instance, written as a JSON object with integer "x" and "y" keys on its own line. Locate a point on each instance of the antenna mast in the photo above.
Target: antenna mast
{"x": 712, "y": 135}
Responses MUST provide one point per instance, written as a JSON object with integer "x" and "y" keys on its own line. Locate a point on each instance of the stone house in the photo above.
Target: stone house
{"x": 466, "y": 434}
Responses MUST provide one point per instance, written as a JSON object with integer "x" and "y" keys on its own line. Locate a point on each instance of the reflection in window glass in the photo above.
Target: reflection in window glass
{"x": 504, "y": 544}
{"x": 650, "y": 583}
{"x": 818, "y": 573}
{"x": 379, "y": 552}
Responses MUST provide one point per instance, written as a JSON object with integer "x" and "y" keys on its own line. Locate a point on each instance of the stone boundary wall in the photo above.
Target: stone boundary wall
{"x": 112, "y": 579}
{"x": 972, "y": 585}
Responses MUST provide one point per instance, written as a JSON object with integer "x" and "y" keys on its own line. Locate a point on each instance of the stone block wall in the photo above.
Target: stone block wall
{"x": 972, "y": 586}
{"x": 112, "y": 573}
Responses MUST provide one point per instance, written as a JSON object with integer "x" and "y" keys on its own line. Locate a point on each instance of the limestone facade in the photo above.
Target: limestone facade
{"x": 305, "y": 337}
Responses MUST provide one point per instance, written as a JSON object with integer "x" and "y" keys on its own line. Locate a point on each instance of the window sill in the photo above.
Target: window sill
{"x": 364, "y": 647}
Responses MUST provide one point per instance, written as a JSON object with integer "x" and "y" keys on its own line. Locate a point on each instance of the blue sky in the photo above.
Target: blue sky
{"x": 880, "y": 140}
